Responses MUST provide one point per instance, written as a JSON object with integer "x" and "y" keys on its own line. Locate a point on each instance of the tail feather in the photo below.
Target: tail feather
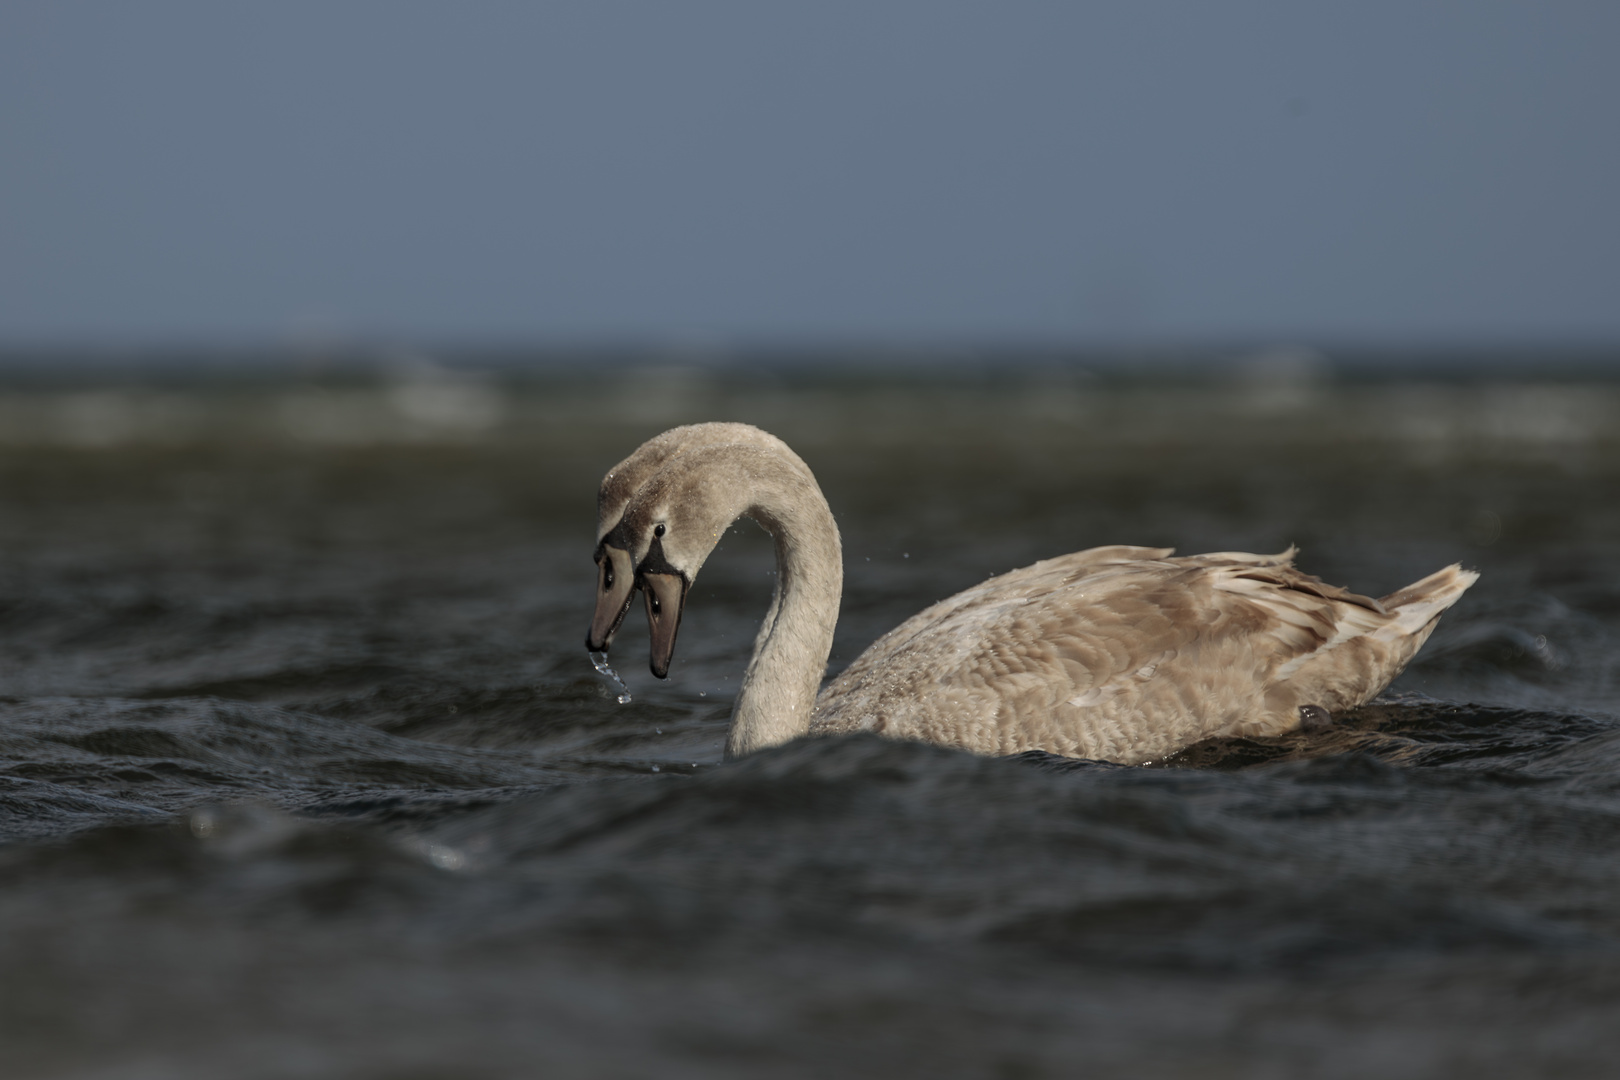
{"x": 1421, "y": 602}
{"x": 1215, "y": 558}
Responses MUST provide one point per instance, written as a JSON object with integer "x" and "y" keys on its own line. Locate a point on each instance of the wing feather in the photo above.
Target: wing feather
{"x": 1120, "y": 653}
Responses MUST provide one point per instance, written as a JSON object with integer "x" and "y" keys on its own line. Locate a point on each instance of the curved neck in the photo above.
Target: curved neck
{"x": 790, "y": 655}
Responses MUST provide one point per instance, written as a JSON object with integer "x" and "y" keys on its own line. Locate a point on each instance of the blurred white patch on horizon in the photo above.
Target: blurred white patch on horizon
{"x": 1058, "y": 393}
{"x": 421, "y": 401}
{"x": 443, "y": 400}
{"x": 339, "y": 417}
{"x": 1284, "y": 379}
{"x": 1545, "y": 414}
{"x": 102, "y": 418}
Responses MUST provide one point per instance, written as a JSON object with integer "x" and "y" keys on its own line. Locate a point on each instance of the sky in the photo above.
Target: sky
{"x": 843, "y": 171}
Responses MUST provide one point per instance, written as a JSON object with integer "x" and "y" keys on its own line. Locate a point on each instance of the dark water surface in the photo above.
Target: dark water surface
{"x": 304, "y": 771}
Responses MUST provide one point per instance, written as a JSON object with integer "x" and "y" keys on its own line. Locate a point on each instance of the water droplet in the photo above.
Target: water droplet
{"x": 599, "y": 661}
{"x": 445, "y": 857}
{"x": 203, "y": 822}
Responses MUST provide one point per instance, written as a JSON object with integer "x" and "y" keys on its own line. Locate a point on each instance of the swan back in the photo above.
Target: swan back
{"x": 1129, "y": 654}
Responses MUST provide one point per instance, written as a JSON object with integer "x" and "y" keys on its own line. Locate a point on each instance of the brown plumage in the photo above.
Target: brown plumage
{"x": 1128, "y": 654}
{"x": 1117, "y": 653}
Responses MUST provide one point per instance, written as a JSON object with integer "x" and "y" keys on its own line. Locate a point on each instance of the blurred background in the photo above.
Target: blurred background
{"x": 718, "y": 177}
{"x": 320, "y": 322}
{"x": 1157, "y": 273}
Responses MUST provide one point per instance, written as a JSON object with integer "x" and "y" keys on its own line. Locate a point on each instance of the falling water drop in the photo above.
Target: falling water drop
{"x": 599, "y": 661}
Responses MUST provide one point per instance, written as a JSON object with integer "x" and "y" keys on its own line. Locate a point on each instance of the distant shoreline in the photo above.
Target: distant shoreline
{"x": 47, "y": 363}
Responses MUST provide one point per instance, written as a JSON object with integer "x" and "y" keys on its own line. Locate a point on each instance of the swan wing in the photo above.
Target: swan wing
{"x": 1124, "y": 654}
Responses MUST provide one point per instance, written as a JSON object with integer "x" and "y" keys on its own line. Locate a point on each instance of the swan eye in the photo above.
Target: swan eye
{"x": 656, "y": 607}
{"x": 607, "y": 575}
{"x": 658, "y": 530}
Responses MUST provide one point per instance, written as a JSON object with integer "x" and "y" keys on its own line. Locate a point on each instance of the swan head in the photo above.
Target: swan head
{"x": 619, "y": 551}
{"x": 667, "y": 533}
{"x": 672, "y": 524}
{"x": 616, "y": 577}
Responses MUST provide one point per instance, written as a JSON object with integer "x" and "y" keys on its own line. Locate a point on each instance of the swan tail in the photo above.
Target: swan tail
{"x": 1417, "y": 606}
{"x": 1370, "y": 647}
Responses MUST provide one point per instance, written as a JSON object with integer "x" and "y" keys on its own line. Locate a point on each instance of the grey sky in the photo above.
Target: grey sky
{"x": 928, "y": 170}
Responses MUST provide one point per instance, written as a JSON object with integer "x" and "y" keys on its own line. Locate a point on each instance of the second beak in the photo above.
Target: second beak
{"x": 666, "y": 597}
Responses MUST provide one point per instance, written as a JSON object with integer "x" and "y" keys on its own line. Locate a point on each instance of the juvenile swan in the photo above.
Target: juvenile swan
{"x": 1116, "y": 653}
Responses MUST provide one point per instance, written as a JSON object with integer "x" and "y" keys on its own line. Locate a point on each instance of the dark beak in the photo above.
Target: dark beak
{"x": 666, "y": 597}
{"x": 615, "y": 586}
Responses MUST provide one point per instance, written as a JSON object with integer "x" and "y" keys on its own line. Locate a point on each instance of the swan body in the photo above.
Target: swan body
{"x": 1128, "y": 654}
{"x": 1116, "y": 653}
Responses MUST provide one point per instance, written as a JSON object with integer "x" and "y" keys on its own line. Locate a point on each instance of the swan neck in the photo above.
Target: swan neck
{"x": 784, "y": 675}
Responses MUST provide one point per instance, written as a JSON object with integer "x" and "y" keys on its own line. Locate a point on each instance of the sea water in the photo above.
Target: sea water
{"x": 304, "y": 770}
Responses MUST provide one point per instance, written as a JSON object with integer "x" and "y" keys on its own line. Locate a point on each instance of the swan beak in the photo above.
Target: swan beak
{"x": 615, "y": 586}
{"x": 666, "y": 597}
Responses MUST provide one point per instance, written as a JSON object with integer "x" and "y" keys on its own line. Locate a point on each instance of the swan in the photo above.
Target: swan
{"x": 1119, "y": 653}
